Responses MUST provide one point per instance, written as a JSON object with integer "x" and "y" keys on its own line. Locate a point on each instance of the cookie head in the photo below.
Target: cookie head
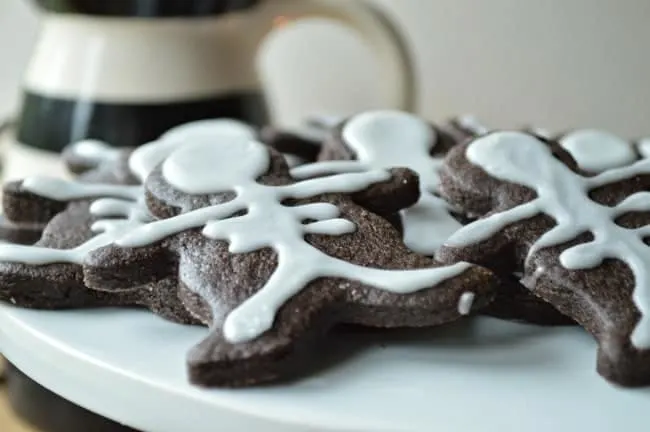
{"x": 150, "y": 155}
{"x": 197, "y": 168}
{"x": 596, "y": 151}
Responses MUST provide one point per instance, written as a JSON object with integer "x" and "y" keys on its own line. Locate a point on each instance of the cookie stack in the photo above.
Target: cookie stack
{"x": 400, "y": 223}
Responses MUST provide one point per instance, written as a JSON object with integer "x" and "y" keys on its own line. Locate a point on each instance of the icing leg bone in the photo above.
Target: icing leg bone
{"x": 274, "y": 265}
{"x": 581, "y": 239}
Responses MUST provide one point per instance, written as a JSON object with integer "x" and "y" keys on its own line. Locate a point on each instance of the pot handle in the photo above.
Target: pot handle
{"x": 397, "y": 72}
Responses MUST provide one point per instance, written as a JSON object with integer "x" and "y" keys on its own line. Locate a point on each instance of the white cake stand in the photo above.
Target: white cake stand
{"x": 479, "y": 376}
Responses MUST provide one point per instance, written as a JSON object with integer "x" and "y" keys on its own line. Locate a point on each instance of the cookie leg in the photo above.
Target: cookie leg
{"x": 595, "y": 300}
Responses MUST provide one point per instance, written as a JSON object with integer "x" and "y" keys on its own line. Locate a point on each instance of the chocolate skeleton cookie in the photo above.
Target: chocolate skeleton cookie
{"x": 270, "y": 262}
{"x": 385, "y": 139}
{"x": 302, "y": 144}
{"x": 26, "y": 214}
{"x": 594, "y": 151}
{"x": 580, "y": 239}
{"x": 107, "y": 200}
{"x": 49, "y": 275}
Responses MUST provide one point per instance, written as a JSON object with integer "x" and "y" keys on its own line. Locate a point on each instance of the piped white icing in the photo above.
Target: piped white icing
{"x": 541, "y": 132}
{"x": 471, "y": 123}
{"x": 384, "y": 139}
{"x": 293, "y": 161}
{"x": 596, "y": 151}
{"x": 215, "y": 165}
{"x": 643, "y": 147}
{"x": 466, "y": 302}
{"x": 147, "y": 157}
{"x": 119, "y": 209}
{"x": 94, "y": 152}
{"x": 318, "y": 127}
{"x": 269, "y": 223}
{"x": 562, "y": 194}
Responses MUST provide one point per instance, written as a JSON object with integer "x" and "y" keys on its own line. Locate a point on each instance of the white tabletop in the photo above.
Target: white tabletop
{"x": 483, "y": 375}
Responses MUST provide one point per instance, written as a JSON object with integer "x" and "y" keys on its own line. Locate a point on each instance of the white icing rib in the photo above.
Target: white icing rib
{"x": 519, "y": 158}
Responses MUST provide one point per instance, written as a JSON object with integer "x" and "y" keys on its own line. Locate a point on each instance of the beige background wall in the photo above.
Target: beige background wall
{"x": 560, "y": 63}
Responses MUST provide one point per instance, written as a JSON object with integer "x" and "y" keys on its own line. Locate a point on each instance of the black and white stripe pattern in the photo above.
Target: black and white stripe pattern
{"x": 98, "y": 73}
{"x": 146, "y": 8}
{"x": 127, "y": 80}
{"x": 50, "y": 123}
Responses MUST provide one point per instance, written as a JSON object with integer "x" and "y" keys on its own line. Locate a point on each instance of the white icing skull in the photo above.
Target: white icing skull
{"x": 197, "y": 168}
{"x": 147, "y": 157}
{"x": 596, "y": 151}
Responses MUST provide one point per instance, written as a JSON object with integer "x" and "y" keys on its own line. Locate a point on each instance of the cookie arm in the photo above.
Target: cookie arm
{"x": 21, "y": 206}
{"x": 290, "y": 143}
{"x": 114, "y": 268}
{"x": 498, "y": 251}
{"x": 402, "y": 190}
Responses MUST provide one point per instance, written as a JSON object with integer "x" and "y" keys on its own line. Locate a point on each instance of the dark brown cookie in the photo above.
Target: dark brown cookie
{"x": 514, "y": 302}
{"x": 26, "y": 214}
{"x": 303, "y": 144}
{"x": 580, "y": 239}
{"x": 19, "y": 233}
{"x": 106, "y": 200}
{"x": 385, "y": 139}
{"x": 270, "y": 263}
{"x": 49, "y": 274}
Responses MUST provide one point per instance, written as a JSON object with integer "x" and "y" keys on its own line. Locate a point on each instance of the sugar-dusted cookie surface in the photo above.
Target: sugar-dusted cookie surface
{"x": 580, "y": 238}
{"x": 270, "y": 262}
